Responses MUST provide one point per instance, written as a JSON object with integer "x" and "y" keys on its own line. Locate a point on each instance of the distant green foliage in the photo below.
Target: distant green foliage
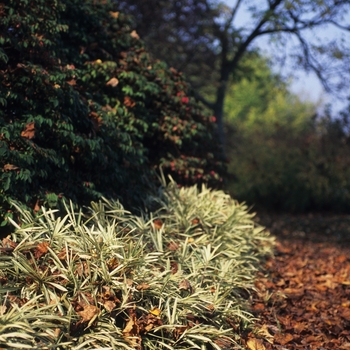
{"x": 281, "y": 156}
{"x": 85, "y": 112}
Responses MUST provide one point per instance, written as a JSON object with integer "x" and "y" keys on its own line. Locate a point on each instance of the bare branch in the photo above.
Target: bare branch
{"x": 338, "y": 25}
{"x": 233, "y": 14}
{"x": 255, "y": 33}
{"x": 312, "y": 65}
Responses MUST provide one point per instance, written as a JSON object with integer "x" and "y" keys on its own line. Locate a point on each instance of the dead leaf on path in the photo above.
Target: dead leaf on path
{"x": 259, "y": 307}
{"x": 294, "y": 292}
{"x": 313, "y": 272}
{"x": 255, "y": 344}
{"x": 223, "y": 343}
{"x": 264, "y": 333}
{"x": 345, "y": 313}
{"x": 283, "y": 339}
{"x": 341, "y": 258}
{"x": 299, "y": 327}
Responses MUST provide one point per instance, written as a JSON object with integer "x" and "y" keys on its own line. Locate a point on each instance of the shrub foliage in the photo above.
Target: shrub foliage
{"x": 85, "y": 112}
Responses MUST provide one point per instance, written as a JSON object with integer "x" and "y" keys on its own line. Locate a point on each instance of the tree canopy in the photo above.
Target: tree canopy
{"x": 207, "y": 40}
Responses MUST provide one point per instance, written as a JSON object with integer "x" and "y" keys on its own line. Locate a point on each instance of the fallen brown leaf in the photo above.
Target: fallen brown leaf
{"x": 283, "y": 339}
{"x": 255, "y": 344}
{"x": 41, "y": 249}
{"x": 158, "y": 224}
{"x": 89, "y": 312}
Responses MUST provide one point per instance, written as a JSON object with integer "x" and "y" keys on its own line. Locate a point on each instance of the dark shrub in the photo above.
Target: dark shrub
{"x": 85, "y": 112}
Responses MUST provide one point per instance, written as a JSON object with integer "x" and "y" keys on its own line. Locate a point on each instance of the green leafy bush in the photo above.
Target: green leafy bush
{"x": 281, "y": 168}
{"x": 85, "y": 111}
{"x": 177, "y": 278}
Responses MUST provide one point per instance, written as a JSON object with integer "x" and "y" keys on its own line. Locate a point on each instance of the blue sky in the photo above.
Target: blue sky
{"x": 307, "y": 86}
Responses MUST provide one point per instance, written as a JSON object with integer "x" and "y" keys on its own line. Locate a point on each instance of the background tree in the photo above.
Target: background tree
{"x": 206, "y": 36}
{"x": 281, "y": 156}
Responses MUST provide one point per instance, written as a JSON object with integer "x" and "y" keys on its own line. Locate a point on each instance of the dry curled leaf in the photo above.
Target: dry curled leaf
{"x": 174, "y": 267}
{"x": 36, "y": 206}
{"x": 155, "y": 311}
{"x": 173, "y": 246}
{"x": 8, "y": 243}
{"x": 283, "y": 339}
{"x": 109, "y": 305}
{"x": 114, "y": 14}
{"x": 112, "y": 263}
{"x": 158, "y": 224}
{"x": 41, "y": 249}
{"x": 131, "y": 330}
{"x": 148, "y": 322}
{"x": 72, "y": 82}
{"x": 195, "y": 221}
{"x": 29, "y": 131}
{"x": 224, "y": 343}
{"x": 112, "y": 82}
{"x": 89, "y": 313}
{"x": 185, "y": 285}
{"x": 143, "y": 286}
{"x": 128, "y": 102}
{"x": 134, "y": 35}
{"x": 8, "y": 167}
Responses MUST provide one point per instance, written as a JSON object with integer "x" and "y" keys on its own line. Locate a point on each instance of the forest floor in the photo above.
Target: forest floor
{"x": 302, "y": 298}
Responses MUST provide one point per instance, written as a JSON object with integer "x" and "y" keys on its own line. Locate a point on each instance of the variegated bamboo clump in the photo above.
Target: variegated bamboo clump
{"x": 104, "y": 278}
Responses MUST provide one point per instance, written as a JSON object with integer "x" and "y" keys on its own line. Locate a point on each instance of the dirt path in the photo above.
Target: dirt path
{"x": 303, "y": 301}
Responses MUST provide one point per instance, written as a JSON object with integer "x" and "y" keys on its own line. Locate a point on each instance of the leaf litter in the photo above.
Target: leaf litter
{"x": 302, "y": 300}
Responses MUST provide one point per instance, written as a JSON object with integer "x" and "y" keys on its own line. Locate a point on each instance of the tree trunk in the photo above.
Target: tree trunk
{"x": 219, "y": 114}
{"x": 219, "y": 104}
